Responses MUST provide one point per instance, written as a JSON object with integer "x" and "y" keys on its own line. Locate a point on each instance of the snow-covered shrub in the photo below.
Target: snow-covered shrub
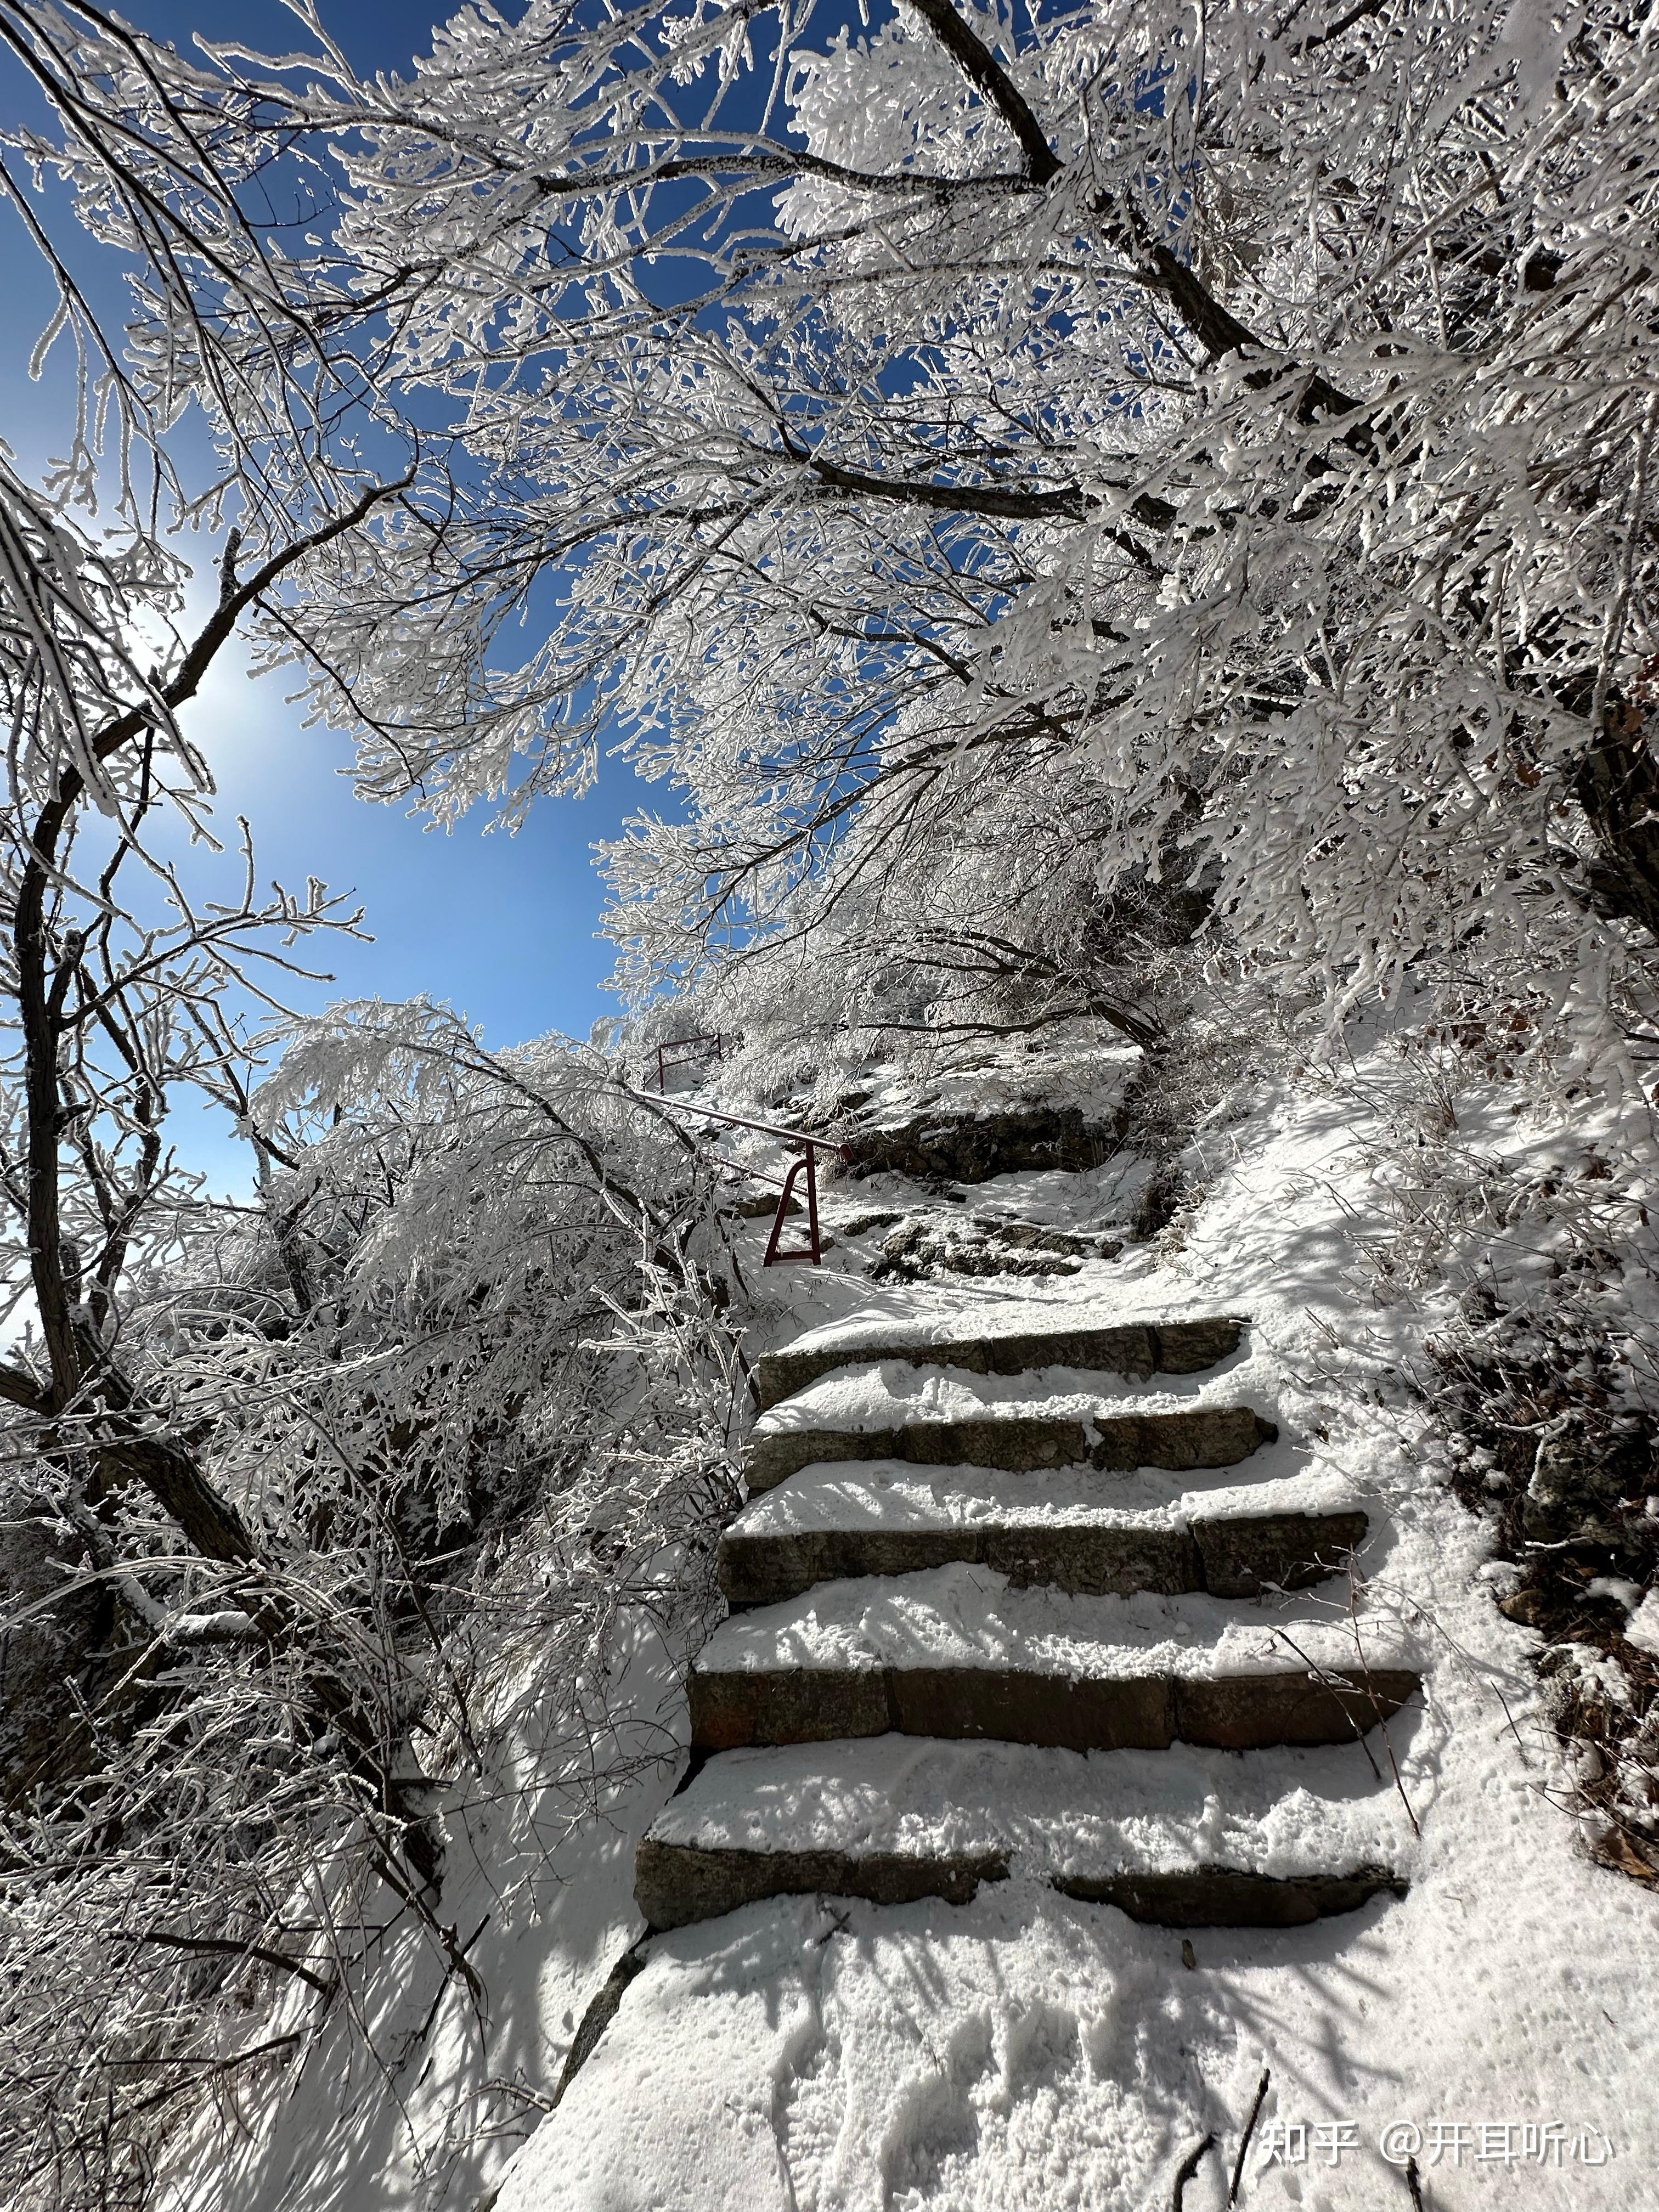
{"x": 487, "y": 1435}
{"x": 1549, "y": 1410}
{"x": 1209, "y": 1069}
{"x": 1515, "y": 1211}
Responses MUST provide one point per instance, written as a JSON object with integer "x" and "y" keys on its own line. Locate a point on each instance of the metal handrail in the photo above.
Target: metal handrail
{"x": 715, "y": 1037}
{"x": 809, "y": 1147}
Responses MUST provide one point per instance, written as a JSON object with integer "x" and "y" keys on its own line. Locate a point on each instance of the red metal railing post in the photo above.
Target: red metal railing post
{"x": 814, "y": 1252}
{"x": 683, "y": 1050}
{"x": 773, "y": 1254}
{"x": 808, "y": 1149}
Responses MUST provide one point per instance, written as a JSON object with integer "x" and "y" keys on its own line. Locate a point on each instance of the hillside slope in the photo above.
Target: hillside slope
{"x": 1027, "y": 2048}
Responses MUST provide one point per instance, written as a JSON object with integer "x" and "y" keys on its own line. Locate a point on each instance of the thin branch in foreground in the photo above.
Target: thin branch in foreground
{"x": 219, "y": 1944}
{"x": 1188, "y": 2168}
{"x": 1249, "y": 2130}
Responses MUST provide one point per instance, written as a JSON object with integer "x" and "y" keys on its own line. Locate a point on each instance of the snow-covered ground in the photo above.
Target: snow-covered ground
{"x": 1499, "y": 2023}
{"x": 889, "y": 1494}
{"x": 411, "y": 2094}
{"x": 1287, "y": 1812}
{"x": 962, "y": 1616}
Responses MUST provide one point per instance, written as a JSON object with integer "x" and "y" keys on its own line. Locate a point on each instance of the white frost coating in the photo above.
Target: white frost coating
{"x": 890, "y": 1494}
{"x": 967, "y": 1616}
{"x": 1281, "y": 1813}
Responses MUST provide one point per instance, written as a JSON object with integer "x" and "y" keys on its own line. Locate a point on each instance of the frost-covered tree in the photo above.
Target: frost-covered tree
{"x": 306, "y": 1501}
{"x": 1237, "y": 419}
{"x": 260, "y": 1625}
{"x": 1227, "y": 429}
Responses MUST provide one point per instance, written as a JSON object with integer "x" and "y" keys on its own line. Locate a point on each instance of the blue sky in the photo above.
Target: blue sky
{"x": 501, "y": 927}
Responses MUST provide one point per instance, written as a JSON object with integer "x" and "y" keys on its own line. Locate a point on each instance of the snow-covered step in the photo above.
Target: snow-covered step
{"x": 944, "y": 1418}
{"x": 1134, "y": 1349}
{"x": 958, "y": 1651}
{"x": 1080, "y": 1530}
{"x": 1186, "y": 1837}
{"x": 1191, "y": 1436}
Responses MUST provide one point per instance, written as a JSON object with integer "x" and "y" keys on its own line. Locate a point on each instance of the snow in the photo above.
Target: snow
{"x": 1010, "y": 1308}
{"x": 893, "y": 1494}
{"x": 833, "y": 1305}
{"x": 1279, "y": 1813}
{"x": 967, "y": 1616}
{"x": 887, "y": 1395}
{"x": 1093, "y": 1080}
{"x": 1028, "y": 2050}
{"x": 1642, "y": 1626}
{"x": 411, "y": 2098}
{"x": 1618, "y": 1587}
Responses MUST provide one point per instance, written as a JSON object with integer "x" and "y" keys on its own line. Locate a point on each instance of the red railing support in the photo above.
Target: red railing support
{"x": 813, "y": 1251}
{"x": 808, "y": 1147}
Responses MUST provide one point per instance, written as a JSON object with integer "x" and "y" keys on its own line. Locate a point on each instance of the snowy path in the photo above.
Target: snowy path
{"x": 1016, "y": 1646}
{"x": 935, "y": 1975}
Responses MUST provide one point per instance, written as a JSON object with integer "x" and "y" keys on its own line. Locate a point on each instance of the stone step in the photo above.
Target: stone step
{"x": 1189, "y": 1838}
{"x": 1134, "y": 1349}
{"x": 958, "y": 1651}
{"x": 1194, "y": 1437}
{"x": 1066, "y": 1528}
{"x": 1033, "y": 1705}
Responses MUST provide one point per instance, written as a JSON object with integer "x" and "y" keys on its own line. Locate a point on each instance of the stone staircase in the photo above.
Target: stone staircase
{"x": 977, "y": 1632}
